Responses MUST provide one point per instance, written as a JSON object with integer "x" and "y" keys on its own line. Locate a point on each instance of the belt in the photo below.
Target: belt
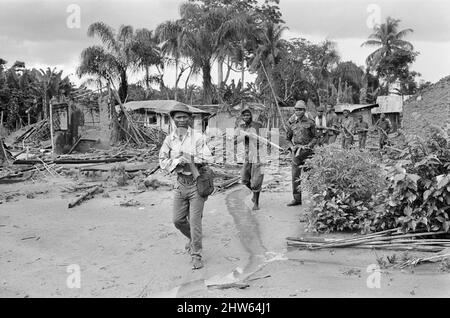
{"x": 186, "y": 179}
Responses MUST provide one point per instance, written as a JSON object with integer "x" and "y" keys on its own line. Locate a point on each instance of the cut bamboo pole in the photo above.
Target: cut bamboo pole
{"x": 382, "y": 238}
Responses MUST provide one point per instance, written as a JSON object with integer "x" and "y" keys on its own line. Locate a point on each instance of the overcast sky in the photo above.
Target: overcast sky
{"x": 36, "y": 31}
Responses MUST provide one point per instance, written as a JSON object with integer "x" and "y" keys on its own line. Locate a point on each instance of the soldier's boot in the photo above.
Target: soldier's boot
{"x": 255, "y": 200}
{"x": 297, "y": 200}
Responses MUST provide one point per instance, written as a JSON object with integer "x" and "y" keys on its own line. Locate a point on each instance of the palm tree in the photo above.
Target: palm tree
{"x": 49, "y": 84}
{"x": 268, "y": 51}
{"x": 236, "y": 34}
{"x": 200, "y": 37}
{"x": 147, "y": 54}
{"x": 169, "y": 35}
{"x": 387, "y": 38}
{"x": 112, "y": 60}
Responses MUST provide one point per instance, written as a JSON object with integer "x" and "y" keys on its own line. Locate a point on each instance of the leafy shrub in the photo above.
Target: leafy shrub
{"x": 418, "y": 197}
{"x": 342, "y": 183}
{"x": 349, "y": 171}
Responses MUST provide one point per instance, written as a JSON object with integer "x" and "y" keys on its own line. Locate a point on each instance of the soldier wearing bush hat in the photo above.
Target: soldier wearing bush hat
{"x": 184, "y": 152}
{"x": 301, "y": 138}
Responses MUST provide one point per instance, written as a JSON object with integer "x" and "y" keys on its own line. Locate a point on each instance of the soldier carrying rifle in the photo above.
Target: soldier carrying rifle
{"x": 301, "y": 138}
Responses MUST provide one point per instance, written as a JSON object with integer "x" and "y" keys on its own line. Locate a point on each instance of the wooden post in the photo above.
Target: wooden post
{"x": 51, "y": 126}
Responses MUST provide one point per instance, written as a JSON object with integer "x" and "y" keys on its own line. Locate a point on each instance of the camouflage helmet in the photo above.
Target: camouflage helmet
{"x": 246, "y": 110}
{"x": 300, "y": 105}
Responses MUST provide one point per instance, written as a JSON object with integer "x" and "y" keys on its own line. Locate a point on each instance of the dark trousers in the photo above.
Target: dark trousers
{"x": 362, "y": 141}
{"x": 383, "y": 140}
{"x": 297, "y": 162}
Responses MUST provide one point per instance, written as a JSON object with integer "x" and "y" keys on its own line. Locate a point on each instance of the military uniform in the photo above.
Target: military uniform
{"x": 332, "y": 122}
{"x": 302, "y": 134}
{"x": 384, "y": 126}
{"x": 361, "y": 129}
{"x": 347, "y": 127}
{"x": 321, "y": 124}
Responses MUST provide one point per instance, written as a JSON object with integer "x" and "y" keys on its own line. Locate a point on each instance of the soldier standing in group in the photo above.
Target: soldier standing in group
{"x": 384, "y": 127}
{"x": 333, "y": 124}
{"x": 321, "y": 127}
{"x": 361, "y": 128}
{"x": 184, "y": 151}
{"x": 301, "y": 138}
{"x": 347, "y": 125}
{"x": 252, "y": 175}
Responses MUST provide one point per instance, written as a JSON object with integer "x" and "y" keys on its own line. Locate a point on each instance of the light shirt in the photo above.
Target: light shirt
{"x": 193, "y": 143}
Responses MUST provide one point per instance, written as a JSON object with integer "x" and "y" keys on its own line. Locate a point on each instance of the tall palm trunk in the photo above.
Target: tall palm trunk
{"x": 228, "y": 71}
{"x": 186, "y": 85}
{"x": 123, "y": 88}
{"x": 220, "y": 62}
{"x": 176, "y": 78}
{"x": 243, "y": 63}
{"x": 147, "y": 81}
{"x": 207, "y": 84}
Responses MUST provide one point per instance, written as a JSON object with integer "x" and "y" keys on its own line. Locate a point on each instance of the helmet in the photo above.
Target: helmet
{"x": 300, "y": 105}
{"x": 246, "y": 110}
{"x": 180, "y": 108}
{"x": 320, "y": 109}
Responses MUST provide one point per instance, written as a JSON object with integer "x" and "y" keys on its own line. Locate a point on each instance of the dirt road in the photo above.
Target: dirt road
{"x": 136, "y": 252}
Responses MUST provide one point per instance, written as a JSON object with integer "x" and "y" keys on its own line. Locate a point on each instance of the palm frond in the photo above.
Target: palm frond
{"x": 105, "y": 33}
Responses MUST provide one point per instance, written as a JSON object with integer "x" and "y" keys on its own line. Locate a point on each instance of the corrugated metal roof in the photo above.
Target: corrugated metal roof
{"x": 352, "y": 107}
{"x": 159, "y": 106}
{"x": 389, "y": 104}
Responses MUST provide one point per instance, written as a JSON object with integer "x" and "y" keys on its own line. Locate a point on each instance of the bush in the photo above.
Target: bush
{"x": 343, "y": 183}
{"x": 418, "y": 197}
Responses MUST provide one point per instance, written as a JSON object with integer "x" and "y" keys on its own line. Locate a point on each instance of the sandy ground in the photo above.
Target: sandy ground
{"x": 136, "y": 252}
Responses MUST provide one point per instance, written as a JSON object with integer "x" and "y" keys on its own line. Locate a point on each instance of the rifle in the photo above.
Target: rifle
{"x": 299, "y": 148}
{"x": 193, "y": 168}
{"x": 345, "y": 129}
{"x": 328, "y": 128}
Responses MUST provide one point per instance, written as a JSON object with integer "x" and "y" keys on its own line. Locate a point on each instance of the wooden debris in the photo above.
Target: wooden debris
{"x": 230, "y": 285}
{"x": 74, "y": 145}
{"x": 86, "y": 195}
{"x": 257, "y": 278}
{"x": 382, "y": 240}
{"x": 416, "y": 261}
{"x": 130, "y": 202}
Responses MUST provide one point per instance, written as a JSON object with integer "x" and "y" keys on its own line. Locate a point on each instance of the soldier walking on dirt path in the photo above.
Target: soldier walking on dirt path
{"x": 301, "y": 138}
{"x": 185, "y": 152}
{"x": 252, "y": 175}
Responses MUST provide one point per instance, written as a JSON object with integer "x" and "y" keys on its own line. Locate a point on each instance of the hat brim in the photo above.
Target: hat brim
{"x": 172, "y": 113}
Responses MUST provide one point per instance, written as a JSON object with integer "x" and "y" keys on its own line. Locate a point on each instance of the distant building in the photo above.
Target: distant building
{"x": 155, "y": 113}
{"x": 356, "y": 110}
{"x": 392, "y": 107}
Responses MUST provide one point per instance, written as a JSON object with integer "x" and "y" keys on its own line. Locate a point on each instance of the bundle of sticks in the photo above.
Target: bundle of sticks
{"x": 388, "y": 239}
